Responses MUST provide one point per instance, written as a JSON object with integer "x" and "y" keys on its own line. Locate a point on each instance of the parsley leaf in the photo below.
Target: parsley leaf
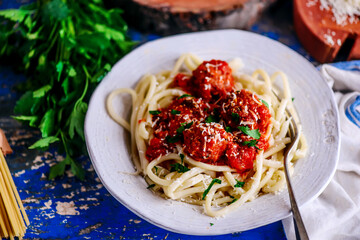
{"x": 251, "y": 143}
{"x": 41, "y": 91}
{"x": 77, "y": 118}
{"x": 215, "y": 180}
{"x": 239, "y": 184}
{"x": 150, "y": 186}
{"x": 24, "y": 104}
{"x": 211, "y": 224}
{"x": 16, "y": 15}
{"x": 185, "y": 95}
{"x": 44, "y": 143}
{"x": 174, "y": 112}
{"x": 182, "y": 156}
{"x": 57, "y": 170}
{"x": 173, "y": 139}
{"x": 235, "y": 117}
{"x": 228, "y": 129}
{"x": 47, "y": 123}
{"x": 179, "y": 131}
{"x": 184, "y": 126}
{"x": 252, "y": 133}
{"x": 265, "y": 103}
{"x": 77, "y": 170}
{"x": 155, "y": 112}
{"x": 211, "y": 119}
{"x": 55, "y": 10}
{"x": 177, "y": 167}
{"x": 32, "y": 119}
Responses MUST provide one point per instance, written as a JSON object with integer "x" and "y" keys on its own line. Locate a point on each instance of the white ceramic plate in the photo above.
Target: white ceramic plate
{"x": 108, "y": 143}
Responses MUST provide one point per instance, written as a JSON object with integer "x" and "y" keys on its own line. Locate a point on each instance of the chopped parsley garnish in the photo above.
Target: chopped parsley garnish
{"x": 155, "y": 112}
{"x": 235, "y": 117}
{"x": 185, "y": 95}
{"x": 177, "y": 167}
{"x": 183, "y": 127}
{"x": 156, "y": 169}
{"x": 173, "y": 139}
{"x": 292, "y": 99}
{"x": 265, "y": 103}
{"x": 228, "y": 129}
{"x": 215, "y": 180}
{"x": 211, "y": 224}
{"x": 234, "y": 200}
{"x": 239, "y": 184}
{"x": 182, "y": 156}
{"x": 251, "y": 143}
{"x": 179, "y": 131}
{"x": 175, "y": 112}
{"x": 211, "y": 119}
{"x": 252, "y": 133}
{"x": 206, "y": 109}
{"x": 150, "y": 186}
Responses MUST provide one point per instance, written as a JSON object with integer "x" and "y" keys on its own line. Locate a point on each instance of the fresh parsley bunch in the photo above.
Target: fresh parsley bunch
{"x": 64, "y": 48}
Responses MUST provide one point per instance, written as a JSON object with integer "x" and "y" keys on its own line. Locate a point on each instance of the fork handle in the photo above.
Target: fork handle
{"x": 299, "y": 226}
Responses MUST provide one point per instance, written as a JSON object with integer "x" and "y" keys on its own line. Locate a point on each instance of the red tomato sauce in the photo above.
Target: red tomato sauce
{"x": 216, "y": 125}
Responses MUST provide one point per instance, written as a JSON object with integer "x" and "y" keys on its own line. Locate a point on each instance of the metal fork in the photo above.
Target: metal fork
{"x": 300, "y": 230}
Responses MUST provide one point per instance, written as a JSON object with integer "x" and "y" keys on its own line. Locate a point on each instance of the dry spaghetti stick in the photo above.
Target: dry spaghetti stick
{"x": 9, "y": 210}
{"x": 4, "y": 221}
{"x": 14, "y": 190}
{"x": 4, "y": 145}
{"x": 10, "y": 202}
{"x": 9, "y": 183}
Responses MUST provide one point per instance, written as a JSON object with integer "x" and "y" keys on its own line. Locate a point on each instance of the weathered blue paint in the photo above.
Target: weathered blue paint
{"x": 89, "y": 211}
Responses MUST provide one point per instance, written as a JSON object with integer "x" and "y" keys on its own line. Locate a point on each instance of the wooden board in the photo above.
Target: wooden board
{"x": 321, "y": 36}
{"x": 167, "y": 17}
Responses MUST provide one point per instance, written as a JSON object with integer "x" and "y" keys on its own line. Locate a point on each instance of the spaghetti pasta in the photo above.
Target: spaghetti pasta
{"x": 13, "y": 218}
{"x": 218, "y": 144}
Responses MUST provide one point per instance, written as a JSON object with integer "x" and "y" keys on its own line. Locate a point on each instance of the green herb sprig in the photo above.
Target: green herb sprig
{"x": 179, "y": 133}
{"x": 185, "y": 95}
{"x": 252, "y": 133}
{"x": 215, "y": 180}
{"x": 155, "y": 112}
{"x": 175, "y": 112}
{"x": 251, "y": 143}
{"x": 178, "y": 167}
{"x": 265, "y": 103}
{"x": 239, "y": 184}
{"x": 65, "y": 48}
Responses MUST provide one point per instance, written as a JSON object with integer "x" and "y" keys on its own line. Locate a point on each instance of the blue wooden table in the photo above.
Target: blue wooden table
{"x": 69, "y": 209}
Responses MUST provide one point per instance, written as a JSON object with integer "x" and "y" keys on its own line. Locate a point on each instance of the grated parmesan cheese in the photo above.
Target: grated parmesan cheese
{"x": 345, "y": 11}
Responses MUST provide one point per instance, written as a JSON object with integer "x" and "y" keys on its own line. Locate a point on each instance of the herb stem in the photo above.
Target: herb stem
{"x": 86, "y": 83}
{"x": 64, "y": 143}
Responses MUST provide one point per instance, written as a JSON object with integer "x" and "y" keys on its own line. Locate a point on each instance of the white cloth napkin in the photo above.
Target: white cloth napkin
{"x": 335, "y": 214}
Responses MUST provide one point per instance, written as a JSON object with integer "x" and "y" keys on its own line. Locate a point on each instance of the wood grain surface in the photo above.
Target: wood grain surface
{"x": 167, "y": 17}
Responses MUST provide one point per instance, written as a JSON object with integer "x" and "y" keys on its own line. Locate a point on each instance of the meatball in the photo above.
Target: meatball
{"x": 206, "y": 142}
{"x": 212, "y": 79}
{"x": 240, "y": 157}
{"x": 180, "y": 111}
{"x": 244, "y": 109}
